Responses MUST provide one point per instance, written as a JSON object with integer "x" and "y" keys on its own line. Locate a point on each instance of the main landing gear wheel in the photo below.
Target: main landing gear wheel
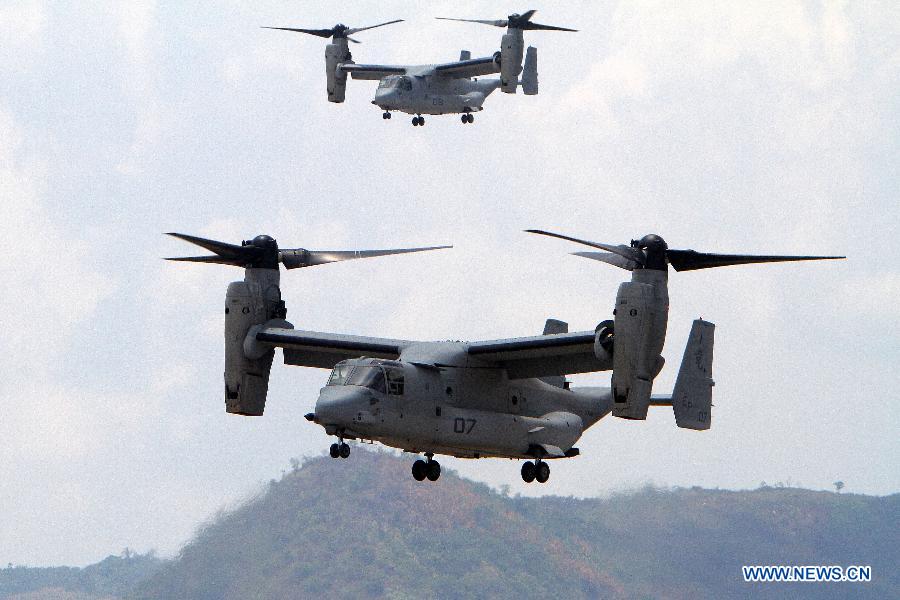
{"x": 535, "y": 471}
{"x": 420, "y": 120}
{"x": 468, "y": 118}
{"x": 334, "y": 451}
{"x": 419, "y": 470}
{"x": 434, "y": 470}
{"x": 528, "y": 472}
{"x": 386, "y": 115}
{"x": 345, "y": 450}
{"x": 429, "y": 468}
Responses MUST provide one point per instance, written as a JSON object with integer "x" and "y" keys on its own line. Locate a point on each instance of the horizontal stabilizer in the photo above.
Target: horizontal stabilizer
{"x": 692, "y": 397}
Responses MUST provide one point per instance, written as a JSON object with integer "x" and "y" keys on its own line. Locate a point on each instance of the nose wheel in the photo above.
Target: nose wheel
{"x": 429, "y": 468}
{"x": 467, "y": 118}
{"x": 386, "y": 115}
{"x": 417, "y": 121}
{"x": 537, "y": 470}
{"x": 339, "y": 450}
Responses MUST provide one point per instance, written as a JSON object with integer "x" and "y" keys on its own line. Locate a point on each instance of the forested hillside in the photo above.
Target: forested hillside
{"x": 364, "y": 528}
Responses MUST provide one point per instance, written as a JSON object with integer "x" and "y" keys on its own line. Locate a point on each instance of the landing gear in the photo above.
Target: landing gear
{"x": 429, "y": 468}
{"x": 467, "y": 118}
{"x": 340, "y": 450}
{"x": 528, "y": 472}
{"x": 419, "y": 120}
{"x": 386, "y": 115}
{"x": 535, "y": 471}
{"x": 419, "y": 470}
{"x": 434, "y": 470}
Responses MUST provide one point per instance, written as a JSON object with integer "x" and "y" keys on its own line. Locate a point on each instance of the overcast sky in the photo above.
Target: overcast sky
{"x": 731, "y": 127}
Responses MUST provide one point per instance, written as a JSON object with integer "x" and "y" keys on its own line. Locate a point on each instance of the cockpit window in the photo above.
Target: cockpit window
{"x": 405, "y": 84}
{"x": 339, "y": 374}
{"x": 370, "y": 377}
{"x": 390, "y": 81}
{"x": 395, "y": 382}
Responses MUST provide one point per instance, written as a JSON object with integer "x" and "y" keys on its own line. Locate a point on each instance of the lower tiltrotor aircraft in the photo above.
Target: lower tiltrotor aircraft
{"x": 501, "y": 398}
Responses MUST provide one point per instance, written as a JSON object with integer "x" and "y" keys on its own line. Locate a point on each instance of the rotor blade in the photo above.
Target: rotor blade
{"x": 300, "y": 257}
{"x": 354, "y": 41}
{"x": 499, "y": 23}
{"x": 623, "y": 251}
{"x": 612, "y": 259}
{"x": 689, "y": 260}
{"x": 357, "y": 29}
{"x": 223, "y": 249}
{"x": 530, "y": 25}
{"x": 325, "y": 33}
{"x": 526, "y": 16}
{"x": 221, "y": 260}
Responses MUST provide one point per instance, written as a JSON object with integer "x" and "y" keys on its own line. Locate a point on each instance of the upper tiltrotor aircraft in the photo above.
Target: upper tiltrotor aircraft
{"x": 501, "y": 398}
{"x": 449, "y": 88}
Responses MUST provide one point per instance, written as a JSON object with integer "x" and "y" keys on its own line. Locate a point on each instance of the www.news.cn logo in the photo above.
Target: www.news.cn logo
{"x": 813, "y": 573}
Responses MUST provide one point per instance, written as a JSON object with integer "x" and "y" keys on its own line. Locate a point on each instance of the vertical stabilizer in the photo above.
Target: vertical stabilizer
{"x": 529, "y": 73}
{"x": 551, "y": 327}
{"x": 692, "y": 398}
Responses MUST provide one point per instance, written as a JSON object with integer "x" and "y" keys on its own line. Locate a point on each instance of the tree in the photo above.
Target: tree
{"x": 838, "y": 485}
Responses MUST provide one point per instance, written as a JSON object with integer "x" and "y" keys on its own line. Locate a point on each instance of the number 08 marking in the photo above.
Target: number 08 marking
{"x": 463, "y": 425}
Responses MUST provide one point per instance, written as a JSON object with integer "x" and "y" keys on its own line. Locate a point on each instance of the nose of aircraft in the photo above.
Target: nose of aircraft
{"x": 384, "y": 96}
{"x": 337, "y": 405}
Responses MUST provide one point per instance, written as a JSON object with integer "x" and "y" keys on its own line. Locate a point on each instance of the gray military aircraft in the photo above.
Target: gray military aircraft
{"x": 501, "y": 398}
{"x": 449, "y": 88}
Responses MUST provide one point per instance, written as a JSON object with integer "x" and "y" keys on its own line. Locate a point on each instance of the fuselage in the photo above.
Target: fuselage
{"x": 432, "y": 94}
{"x": 455, "y": 406}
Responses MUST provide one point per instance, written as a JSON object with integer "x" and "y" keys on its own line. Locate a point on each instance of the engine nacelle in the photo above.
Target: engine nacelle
{"x": 248, "y": 303}
{"x": 640, "y": 326}
{"x": 336, "y": 80}
{"x": 604, "y": 336}
{"x": 511, "y": 50}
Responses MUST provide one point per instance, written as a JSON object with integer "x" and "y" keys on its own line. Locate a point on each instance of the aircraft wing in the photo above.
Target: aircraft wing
{"x": 542, "y": 355}
{"x": 469, "y": 68}
{"x": 371, "y": 71}
{"x": 324, "y": 350}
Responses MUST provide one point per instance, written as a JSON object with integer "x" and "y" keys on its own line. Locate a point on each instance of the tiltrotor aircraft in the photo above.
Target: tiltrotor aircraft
{"x": 449, "y": 88}
{"x": 500, "y": 398}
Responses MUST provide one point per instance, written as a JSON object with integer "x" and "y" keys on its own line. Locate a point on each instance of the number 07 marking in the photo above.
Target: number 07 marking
{"x": 461, "y": 425}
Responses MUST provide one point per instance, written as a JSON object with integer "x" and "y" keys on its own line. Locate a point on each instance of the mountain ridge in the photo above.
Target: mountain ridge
{"x": 363, "y": 527}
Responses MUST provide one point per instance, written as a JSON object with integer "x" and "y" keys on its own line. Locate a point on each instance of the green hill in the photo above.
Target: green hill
{"x": 112, "y": 577}
{"x": 364, "y": 528}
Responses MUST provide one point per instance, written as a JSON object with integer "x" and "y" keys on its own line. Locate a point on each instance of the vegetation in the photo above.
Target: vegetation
{"x": 363, "y": 528}
{"x": 112, "y": 577}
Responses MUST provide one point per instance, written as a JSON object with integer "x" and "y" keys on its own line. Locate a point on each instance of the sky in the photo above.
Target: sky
{"x": 766, "y": 127}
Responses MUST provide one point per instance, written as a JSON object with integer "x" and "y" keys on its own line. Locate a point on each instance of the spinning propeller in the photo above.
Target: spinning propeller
{"x": 652, "y": 252}
{"x": 514, "y": 21}
{"x": 337, "y": 32}
{"x": 262, "y": 252}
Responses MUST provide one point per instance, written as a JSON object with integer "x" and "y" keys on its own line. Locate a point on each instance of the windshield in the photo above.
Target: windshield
{"x": 370, "y": 377}
{"x": 339, "y": 374}
{"x": 388, "y": 82}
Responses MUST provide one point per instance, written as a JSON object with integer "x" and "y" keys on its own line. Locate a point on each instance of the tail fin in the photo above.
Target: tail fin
{"x": 464, "y": 55}
{"x": 529, "y": 73}
{"x": 551, "y": 327}
{"x": 692, "y": 397}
